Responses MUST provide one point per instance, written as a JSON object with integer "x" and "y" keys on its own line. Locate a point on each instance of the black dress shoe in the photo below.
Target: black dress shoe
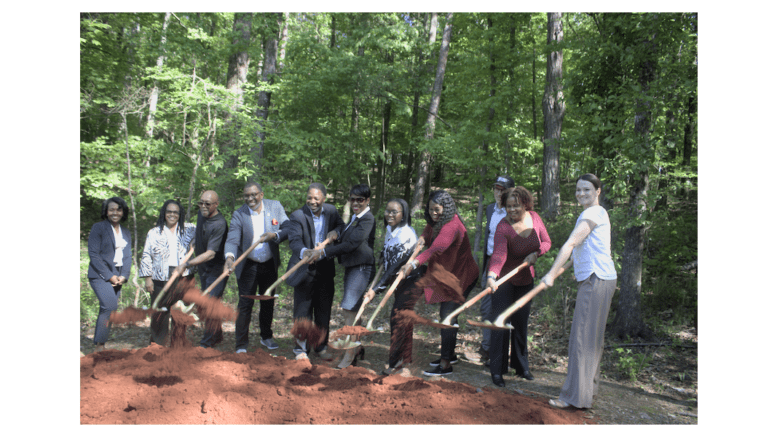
{"x": 498, "y": 380}
{"x": 525, "y": 375}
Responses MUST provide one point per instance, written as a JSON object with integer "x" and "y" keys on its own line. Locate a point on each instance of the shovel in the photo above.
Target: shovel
{"x": 400, "y": 276}
{"x": 225, "y": 274}
{"x": 447, "y": 322}
{"x": 499, "y": 323}
{"x": 170, "y": 281}
{"x": 347, "y": 343}
{"x": 267, "y": 294}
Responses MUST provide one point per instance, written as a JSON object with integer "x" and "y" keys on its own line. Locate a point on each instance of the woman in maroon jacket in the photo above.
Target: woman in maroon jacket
{"x": 448, "y": 246}
{"x": 520, "y": 237}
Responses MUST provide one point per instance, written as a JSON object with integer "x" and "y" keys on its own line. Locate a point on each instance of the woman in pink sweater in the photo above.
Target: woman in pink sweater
{"x": 520, "y": 237}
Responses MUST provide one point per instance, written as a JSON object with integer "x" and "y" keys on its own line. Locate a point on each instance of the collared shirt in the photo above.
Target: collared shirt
{"x": 361, "y": 214}
{"x": 319, "y": 224}
{"x": 172, "y": 243}
{"x": 262, "y": 251}
{"x": 496, "y": 217}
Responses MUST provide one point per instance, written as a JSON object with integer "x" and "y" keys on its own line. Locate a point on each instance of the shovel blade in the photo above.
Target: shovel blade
{"x": 344, "y": 344}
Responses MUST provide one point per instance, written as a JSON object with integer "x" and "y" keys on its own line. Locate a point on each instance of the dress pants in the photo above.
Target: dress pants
{"x": 502, "y": 341}
{"x": 213, "y": 332}
{"x": 313, "y": 301}
{"x": 108, "y": 296}
{"x": 254, "y": 277}
{"x": 485, "y": 307}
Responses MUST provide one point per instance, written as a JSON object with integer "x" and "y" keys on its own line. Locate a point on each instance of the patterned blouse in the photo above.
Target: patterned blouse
{"x": 154, "y": 261}
{"x": 397, "y": 247}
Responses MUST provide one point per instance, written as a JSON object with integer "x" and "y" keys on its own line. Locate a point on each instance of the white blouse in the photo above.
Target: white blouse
{"x": 593, "y": 256}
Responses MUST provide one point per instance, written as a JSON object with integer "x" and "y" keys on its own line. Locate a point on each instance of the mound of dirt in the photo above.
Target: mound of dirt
{"x": 187, "y": 385}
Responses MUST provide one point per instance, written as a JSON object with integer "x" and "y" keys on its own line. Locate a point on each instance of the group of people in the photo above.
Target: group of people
{"x": 514, "y": 234}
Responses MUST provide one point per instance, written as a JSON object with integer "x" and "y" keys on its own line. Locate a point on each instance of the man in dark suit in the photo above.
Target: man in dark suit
{"x": 495, "y": 212}
{"x": 257, "y": 218}
{"x": 314, "y": 286}
{"x": 209, "y": 239}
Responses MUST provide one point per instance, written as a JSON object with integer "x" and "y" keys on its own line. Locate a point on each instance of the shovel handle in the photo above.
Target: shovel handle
{"x": 400, "y": 276}
{"x": 480, "y": 295}
{"x": 155, "y": 305}
{"x": 294, "y": 269}
{"x": 225, "y": 274}
{"x": 500, "y": 320}
{"x": 366, "y": 301}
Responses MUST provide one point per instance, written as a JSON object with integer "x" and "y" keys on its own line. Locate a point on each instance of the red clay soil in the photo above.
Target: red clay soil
{"x": 188, "y": 385}
{"x": 306, "y": 330}
{"x": 445, "y": 283}
{"x": 350, "y": 330}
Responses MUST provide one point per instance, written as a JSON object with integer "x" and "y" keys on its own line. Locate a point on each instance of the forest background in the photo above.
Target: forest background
{"x": 172, "y": 104}
{"x": 719, "y": 132}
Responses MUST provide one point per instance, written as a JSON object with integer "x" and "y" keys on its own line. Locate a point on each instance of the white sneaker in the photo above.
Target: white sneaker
{"x": 241, "y": 351}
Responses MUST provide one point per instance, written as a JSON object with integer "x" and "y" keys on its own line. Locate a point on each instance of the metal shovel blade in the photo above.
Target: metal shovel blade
{"x": 257, "y": 297}
{"x": 344, "y": 344}
{"x": 489, "y": 325}
{"x": 442, "y": 325}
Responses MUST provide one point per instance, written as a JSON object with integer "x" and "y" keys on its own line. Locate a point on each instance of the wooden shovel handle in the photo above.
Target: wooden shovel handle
{"x": 366, "y": 301}
{"x": 480, "y": 295}
{"x": 500, "y": 320}
{"x": 400, "y": 276}
{"x": 155, "y": 305}
{"x": 294, "y": 268}
{"x": 225, "y": 274}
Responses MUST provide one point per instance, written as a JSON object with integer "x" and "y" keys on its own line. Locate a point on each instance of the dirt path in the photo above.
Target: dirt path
{"x": 655, "y": 398}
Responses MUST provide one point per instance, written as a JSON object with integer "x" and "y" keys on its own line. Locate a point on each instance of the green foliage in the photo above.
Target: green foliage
{"x": 631, "y": 364}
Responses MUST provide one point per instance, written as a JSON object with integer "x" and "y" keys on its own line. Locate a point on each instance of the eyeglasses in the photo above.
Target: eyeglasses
{"x": 357, "y": 199}
{"x": 392, "y": 212}
{"x": 173, "y": 212}
{"x": 201, "y": 203}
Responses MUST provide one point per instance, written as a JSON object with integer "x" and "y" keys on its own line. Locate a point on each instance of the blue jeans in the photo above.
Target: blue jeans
{"x": 213, "y": 332}
{"x": 355, "y": 283}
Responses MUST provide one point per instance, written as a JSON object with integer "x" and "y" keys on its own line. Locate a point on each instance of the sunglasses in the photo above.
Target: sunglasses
{"x": 357, "y": 199}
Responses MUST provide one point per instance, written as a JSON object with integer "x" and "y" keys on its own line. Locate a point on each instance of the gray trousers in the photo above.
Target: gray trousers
{"x": 586, "y": 341}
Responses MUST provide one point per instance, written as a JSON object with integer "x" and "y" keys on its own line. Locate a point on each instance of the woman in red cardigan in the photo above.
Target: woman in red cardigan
{"x": 520, "y": 237}
{"x": 448, "y": 246}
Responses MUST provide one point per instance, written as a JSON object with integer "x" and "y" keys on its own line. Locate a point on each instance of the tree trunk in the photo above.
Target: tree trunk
{"x": 628, "y": 318}
{"x": 132, "y": 208}
{"x": 426, "y": 156}
{"x": 553, "y": 108}
{"x": 237, "y": 76}
{"x": 160, "y": 61}
{"x": 263, "y": 109}
{"x": 489, "y": 122}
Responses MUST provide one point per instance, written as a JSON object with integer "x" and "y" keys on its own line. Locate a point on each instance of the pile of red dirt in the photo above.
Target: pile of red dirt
{"x": 157, "y": 385}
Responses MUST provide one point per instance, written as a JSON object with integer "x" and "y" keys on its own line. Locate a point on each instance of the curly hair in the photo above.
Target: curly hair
{"x": 440, "y": 197}
{"x": 521, "y": 194}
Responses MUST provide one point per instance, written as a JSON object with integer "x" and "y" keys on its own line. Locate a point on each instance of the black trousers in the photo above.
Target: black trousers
{"x": 313, "y": 301}
{"x": 254, "y": 277}
{"x": 502, "y": 339}
{"x": 160, "y": 320}
{"x": 407, "y": 294}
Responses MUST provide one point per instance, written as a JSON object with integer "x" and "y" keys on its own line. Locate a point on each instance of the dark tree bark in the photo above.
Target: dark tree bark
{"x": 553, "y": 109}
{"x": 237, "y": 75}
{"x": 263, "y": 108}
{"x": 628, "y": 317}
{"x": 160, "y": 61}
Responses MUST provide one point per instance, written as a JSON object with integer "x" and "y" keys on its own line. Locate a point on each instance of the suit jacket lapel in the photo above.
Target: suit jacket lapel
{"x": 311, "y": 228}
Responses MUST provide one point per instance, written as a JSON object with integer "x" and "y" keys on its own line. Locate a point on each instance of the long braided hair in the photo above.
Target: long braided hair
{"x": 440, "y": 197}
{"x": 160, "y": 222}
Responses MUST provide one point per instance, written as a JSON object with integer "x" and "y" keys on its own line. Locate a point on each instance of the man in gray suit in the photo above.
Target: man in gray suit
{"x": 257, "y": 218}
